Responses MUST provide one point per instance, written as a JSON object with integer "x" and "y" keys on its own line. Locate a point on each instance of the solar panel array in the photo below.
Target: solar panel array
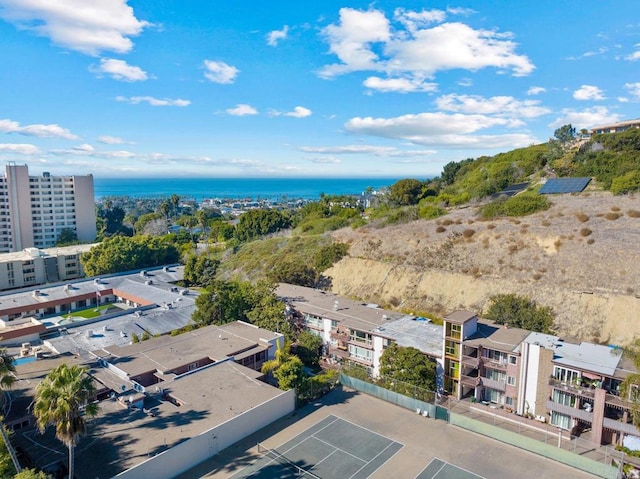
{"x": 564, "y": 185}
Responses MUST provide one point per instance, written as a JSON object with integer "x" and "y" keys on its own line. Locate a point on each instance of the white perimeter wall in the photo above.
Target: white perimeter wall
{"x": 189, "y": 453}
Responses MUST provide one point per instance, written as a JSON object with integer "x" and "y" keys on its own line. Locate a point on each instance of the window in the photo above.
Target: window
{"x": 508, "y": 401}
{"x": 493, "y": 396}
{"x": 363, "y": 354}
{"x": 496, "y": 356}
{"x": 563, "y": 398}
{"x": 451, "y": 348}
{"x": 513, "y": 359}
{"x": 565, "y": 375}
{"x": 511, "y": 380}
{"x": 453, "y": 369}
{"x": 496, "y": 375}
{"x": 561, "y": 420}
{"x": 455, "y": 330}
{"x": 313, "y": 321}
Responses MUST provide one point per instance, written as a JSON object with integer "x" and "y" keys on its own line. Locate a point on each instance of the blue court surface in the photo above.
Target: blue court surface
{"x": 331, "y": 449}
{"x": 439, "y": 469}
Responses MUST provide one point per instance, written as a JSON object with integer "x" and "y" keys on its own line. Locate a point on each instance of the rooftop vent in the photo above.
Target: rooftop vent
{"x": 143, "y": 273}
{"x": 148, "y": 282}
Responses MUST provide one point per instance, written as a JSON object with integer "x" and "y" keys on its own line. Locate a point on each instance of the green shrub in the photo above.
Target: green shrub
{"x": 429, "y": 211}
{"x": 330, "y": 254}
{"x": 627, "y": 183}
{"x": 520, "y": 205}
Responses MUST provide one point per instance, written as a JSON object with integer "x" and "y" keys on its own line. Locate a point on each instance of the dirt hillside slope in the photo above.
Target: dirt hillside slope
{"x": 581, "y": 258}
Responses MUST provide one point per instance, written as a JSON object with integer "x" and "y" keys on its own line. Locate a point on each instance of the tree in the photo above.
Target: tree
{"x": 330, "y": 254}
{"x": 32, "y": 474}
{"x": 565, "y": 134}
{"x": 403, "y": 369}
{"x": 309, "y": 349}
{"x": 286, "y": 368}
{"x": 256, "y": 223}
{"x": 630, "y": 387}
{"x": 200, "y": 270}
{"x": 520, "y": 312}
{"x": 63, "y": 399}
{"x": 174, "y": 202}
{"x": 165, "y": 209}
{"x": 224, "y": 302}
{"x": 122, "y": 253}
{"x": 268, "y": 312}
{"x": 406, "y": 192}
{"x": 293, "y": 272}
{"x": 67, "y": 237}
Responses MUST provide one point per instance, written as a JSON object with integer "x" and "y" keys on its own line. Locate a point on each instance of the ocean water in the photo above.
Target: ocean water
{"x": 254, "y": 188}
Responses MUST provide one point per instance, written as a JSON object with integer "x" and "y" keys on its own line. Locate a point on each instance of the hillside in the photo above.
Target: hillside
{"x": 581, "y": 257}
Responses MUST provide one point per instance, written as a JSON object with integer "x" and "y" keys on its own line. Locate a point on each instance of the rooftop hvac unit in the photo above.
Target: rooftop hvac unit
{"x": 89, "y": 333}
{"x": 143, "y": 273}
{"x": 36, "y": 292}
{"x": 148, "y": 282}
{"x": 184, "y": 292}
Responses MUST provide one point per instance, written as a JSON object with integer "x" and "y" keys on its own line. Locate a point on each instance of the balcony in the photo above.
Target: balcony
{"x": 572, "y": 388}
{"x": 493, "y": 384}
{"x": 571, "y": 411}
{"x": 471, "y": 381}
{"x": 625, "y": 427}
{"x": 495, "y": 364}
{"x": 471, "y": 361}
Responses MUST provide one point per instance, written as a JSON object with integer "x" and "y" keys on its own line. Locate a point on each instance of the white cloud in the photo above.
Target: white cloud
{"x": 85, "y": 148}
{"x": 110, "y": 140}
{"x": 412, "y": 21}
{"x": 633, "y": 89}
{"x": 365, "y": 41}
{"x": 587, "y": 118}
{"x": 220, "y": 72}
{"x": 635, "y": 55}
{"x": 497, "y": 105}
{"x": 242, "y": 109}
{"x": 350, "y": 40}
{"x": 400, "y": 85}
{"x": 39, "y": 130}
{"x": 385, "y": 151}
{"x": 623, "y": 99}
{"x": 324, "y": 159}
{"x": 275, "y": 36}
{"x": 119, "y": 70}
{"x": 441, "y": 129}
{"x": 134, "y": 100}
{"x": 19, "y": 148}
{"x": 536, "y": 90}
{"x": 85, "y": 26}
{"x": 465, "y": 82}
{"x": 299, "y": 112}
{"x": 588, "y": 92}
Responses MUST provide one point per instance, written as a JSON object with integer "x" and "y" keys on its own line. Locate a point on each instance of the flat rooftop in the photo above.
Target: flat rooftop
{"x": 354, "y": 314}
{"x": 409, "y": 332}
{"x": 169, "y": 352}
{"x": 119, "y": 438}
{"x": 584, "y": 356}
{"x": 30, "y": 253}
{"x": 498, "y": 337}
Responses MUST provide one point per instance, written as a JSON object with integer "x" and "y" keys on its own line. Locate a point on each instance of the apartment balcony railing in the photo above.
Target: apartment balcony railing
{"x": 472, "y": 361}
{"x": 625, "y": 427}
{"x": 493, "y": 384}
{"x": 368, "y": 343}
{"x": 570, "y": 411}
{"x": 495, "y": 363}
{"x": 471, "y": 381}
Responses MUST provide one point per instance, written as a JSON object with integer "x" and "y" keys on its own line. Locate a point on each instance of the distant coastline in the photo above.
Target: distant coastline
{"x": 254, "y": 188}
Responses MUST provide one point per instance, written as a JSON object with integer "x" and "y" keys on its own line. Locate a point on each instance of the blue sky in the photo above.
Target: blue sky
{"x": 145, "y": 88}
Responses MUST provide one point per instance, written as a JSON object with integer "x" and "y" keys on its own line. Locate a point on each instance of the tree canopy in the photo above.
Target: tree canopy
{"x": 286, "y": 368}
{"x": 406, "y": 192}
{"x": 520, "y": 312}
{"x": 122, "y": 253}
{"x": 309, "y": 349}
{"x": 255, "y": 223}
{"x": 406, "y": 368}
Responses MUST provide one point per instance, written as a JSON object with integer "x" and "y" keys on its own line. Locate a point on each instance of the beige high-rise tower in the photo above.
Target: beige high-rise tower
{"x": 34, "y": 210}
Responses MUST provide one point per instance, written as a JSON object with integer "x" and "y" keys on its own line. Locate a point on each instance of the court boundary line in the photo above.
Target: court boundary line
{"x": 374, "y": 457}
{"x": 443, "y": 466}
{"x": 336, "y": 419}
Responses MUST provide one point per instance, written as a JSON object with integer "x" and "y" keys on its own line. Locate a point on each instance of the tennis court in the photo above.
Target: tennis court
{"x": 331, "y": 449}
{"x": 439, "y": 469}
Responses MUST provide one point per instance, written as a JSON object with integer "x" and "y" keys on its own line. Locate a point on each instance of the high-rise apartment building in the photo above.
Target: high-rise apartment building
{"x": 34, "y": 210}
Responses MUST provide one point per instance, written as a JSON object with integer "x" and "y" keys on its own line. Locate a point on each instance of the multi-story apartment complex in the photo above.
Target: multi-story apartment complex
{"x": 35, "y": 210}
{"x": 616, "y": 127}
{"x": 359, "y": 332}
{"x": 33, "y": 266}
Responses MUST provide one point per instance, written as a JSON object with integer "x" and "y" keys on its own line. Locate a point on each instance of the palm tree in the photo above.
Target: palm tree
{"x": 60, "y": 400}
{"x": 7, "y": 378}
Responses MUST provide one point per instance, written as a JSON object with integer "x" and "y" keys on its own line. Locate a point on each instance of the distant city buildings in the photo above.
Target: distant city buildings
{"x": 34, "y": 210}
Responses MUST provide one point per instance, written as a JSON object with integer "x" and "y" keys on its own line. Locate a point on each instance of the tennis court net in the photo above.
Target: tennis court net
{"x": 278, "y": 458}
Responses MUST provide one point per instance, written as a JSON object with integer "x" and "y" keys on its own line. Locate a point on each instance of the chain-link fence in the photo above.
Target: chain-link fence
{"x": 539, "y": 438}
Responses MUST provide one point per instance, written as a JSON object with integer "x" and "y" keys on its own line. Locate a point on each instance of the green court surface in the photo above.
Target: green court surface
{"x": 331, "y": 449}
{"x": 438, "y": 469}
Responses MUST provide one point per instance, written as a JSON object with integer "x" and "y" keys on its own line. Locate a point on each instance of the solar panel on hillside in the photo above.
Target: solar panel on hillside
{"x": 510, "y": 190}
{"x": 564, "y": 185}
